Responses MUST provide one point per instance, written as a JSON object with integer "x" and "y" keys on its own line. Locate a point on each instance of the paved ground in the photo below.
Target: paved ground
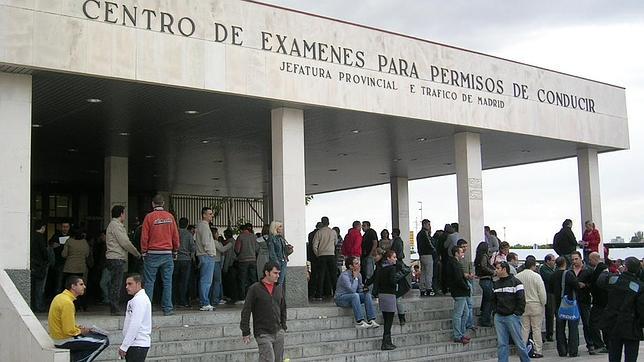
{"x": 551, "y": 356}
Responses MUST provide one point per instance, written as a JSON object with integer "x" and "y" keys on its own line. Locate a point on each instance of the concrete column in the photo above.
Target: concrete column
{"x": 15, "y": 182}
{"x": 400, "y": 210}
{"x": 266, "y": 208}
{"x": 469, "y": 188}
{"x": 589, "y": 195}
{"x": 116, "y": 185}
{"x": 287, "y": 138}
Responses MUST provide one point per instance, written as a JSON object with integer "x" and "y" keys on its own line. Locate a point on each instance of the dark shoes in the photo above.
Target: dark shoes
{"x": 463, "y": 341}
{"x": 592, "y": 352}
{"x": 536, "y": 355}
{"x": 603, "y": 350}
{"x": 387, "y": 345}
{"x": 168, "y": 313}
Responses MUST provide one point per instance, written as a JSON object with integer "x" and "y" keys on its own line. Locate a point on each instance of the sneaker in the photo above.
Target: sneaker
{"x": 222, "y": 302}
{"x": 239, "y": 302}
{"x": 592, "y": 352}
{"x": 432, "y": 293}
{"x": 603, "y": 350}
{"x": 168, "y": 313}
{"x": 372, "y": 324}
{"x": 206, "y": 308}
{"x": 362, "y": 325}
{"x": 536, "y": 355}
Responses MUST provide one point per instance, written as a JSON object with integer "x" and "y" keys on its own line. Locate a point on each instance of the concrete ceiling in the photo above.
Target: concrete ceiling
{"x": 224, "y": 149}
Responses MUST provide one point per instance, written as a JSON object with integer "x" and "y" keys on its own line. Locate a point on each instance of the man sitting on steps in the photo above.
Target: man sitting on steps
{"x": 350, "y": 293}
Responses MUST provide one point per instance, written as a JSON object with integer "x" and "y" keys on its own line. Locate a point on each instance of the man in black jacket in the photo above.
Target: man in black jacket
{"x": 428, "y": 254}
{"x": 584, "y": 276}
{"x": 564, "y": 241}
{"x": 509, "y": 304}
{"x": 265, "y": 301}
{"x": 624, "y": 313}
{"x": 599, "y": 301}
{"x": 39, "y": 263}
{"x": 484, "y": 272}
{"x": 460, "y": 290}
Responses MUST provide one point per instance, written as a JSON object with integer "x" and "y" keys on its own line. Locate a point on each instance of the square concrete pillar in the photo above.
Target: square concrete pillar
{"x": 469, "y": 188}
{"x": 115, "y": 185}
{"x": 287, "y": 138}
{"x": 589, "y": 195}
{"x": 15, "y": 182}
{"x": 400, "y": 210}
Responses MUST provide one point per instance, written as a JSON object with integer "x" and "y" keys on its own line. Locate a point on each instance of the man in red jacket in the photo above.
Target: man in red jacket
{"x": 352, "y": 244}
{"x": 159, "y": 245}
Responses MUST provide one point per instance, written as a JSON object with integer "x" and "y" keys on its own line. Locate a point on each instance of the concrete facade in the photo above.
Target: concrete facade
{"x": 469, "y": 189}
{"x": 116, "y": 185}
{"x": 287, "y": 128}
{"x": 400, "y": 210}
{"x": 234, "y": 49}
{"x": 589, "y": 192}
{"x": 15, "y": 163}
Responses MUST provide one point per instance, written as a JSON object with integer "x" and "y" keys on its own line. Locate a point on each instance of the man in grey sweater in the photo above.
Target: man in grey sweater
{"x": 209, "y": 260}
{"x": 324, "y": 248}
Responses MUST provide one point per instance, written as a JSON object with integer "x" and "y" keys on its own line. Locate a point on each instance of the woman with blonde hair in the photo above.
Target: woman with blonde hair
{"x": 278, "y": 248}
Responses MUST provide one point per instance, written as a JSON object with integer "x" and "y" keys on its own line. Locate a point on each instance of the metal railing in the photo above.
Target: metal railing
{"x": 228, "y": 210}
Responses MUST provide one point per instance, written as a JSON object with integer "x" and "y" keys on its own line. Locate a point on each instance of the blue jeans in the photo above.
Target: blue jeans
{"x": 486, "y": 301}
{"x": 459, "y": 317}
{"x": 216, "y": 292}
{"x": 282, "y": 278}
{"x": 163, "y": 263}
{"x": 354, "y": 300}
{"x": 207, "y": 266}
{"x": 470, "y": 308}
{"x": 509, "y": 327}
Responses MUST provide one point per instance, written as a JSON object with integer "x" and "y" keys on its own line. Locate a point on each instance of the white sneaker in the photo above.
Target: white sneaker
{"x": 373, "y": 324}
{"x": 362, "y": 325}
{"x": 222, "y": 302}
{"x": 206, "y": 308}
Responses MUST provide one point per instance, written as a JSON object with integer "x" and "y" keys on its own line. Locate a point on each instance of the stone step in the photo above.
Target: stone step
{"x": 311, "y": 343}
{"x": 367, "y": 349}
{"x": 231, "y": 314}
{"x": 416, "y": 322}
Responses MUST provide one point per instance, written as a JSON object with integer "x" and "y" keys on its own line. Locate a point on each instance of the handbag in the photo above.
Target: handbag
{"x": 288, "y": 248}
{"x": 568, "y": 309}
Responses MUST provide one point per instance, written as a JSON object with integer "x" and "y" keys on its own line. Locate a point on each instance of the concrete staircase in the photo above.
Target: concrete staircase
{"x": 320, "y": 332}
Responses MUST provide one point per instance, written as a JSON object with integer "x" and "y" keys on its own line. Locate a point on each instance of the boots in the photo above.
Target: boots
{"x": 401, "y": 318}
{"x": 386, "y": 343}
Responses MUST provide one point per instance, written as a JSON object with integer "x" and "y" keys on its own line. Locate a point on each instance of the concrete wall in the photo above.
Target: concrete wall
{"x": 22, "y": 337}
{"x": 93, "y": 37}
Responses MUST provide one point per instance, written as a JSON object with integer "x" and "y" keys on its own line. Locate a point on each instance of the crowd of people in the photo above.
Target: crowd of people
{"x": 356, "y": 271}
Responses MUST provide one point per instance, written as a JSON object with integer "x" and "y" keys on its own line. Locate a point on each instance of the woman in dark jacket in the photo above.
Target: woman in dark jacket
{"x": 565, "y": 346}
{"x": 484, "y": 271}
{"x": 386, "y": 280}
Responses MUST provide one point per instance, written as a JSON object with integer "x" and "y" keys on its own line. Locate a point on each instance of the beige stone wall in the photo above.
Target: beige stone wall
{"x": 57, "y": 35}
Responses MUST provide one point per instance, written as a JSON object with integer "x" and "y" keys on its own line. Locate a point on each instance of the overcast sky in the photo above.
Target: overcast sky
{"x": 599, "y": 40}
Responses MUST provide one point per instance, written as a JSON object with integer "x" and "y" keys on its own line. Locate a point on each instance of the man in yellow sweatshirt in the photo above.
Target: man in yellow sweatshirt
{"x": 83, "y": 343}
